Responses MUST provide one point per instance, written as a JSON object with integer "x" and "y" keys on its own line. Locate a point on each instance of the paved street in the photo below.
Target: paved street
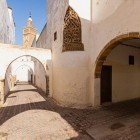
{"x": 27, "y": 115}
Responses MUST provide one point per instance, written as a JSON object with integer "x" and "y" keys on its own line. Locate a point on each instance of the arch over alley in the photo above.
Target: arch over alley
{"x": 39, "y": 61}
{"x": 117, "y": 56}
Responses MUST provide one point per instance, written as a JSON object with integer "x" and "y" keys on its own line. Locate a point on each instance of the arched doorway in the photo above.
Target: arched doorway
{"x": 27, "y": 69}
{"x": 117, "y": 70}
{"x": 24, "y": 73}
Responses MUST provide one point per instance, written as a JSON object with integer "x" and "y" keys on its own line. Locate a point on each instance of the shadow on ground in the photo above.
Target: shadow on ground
{"x": 79, "y": 119}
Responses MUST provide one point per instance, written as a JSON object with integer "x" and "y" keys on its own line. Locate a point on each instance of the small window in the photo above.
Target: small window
{"x": 55, "y": 36}
{"x": 131, "y": 60}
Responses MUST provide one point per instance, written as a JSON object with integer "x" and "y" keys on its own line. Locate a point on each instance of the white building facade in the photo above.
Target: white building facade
{"x": 7, "y": 26}
{"x": 89, "y": 49}
{"x": 95, "y": 50}
{"x": 21, "y": 64}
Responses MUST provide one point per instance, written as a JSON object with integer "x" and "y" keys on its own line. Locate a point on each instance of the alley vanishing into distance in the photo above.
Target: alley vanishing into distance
{"x": 27, "y": 115}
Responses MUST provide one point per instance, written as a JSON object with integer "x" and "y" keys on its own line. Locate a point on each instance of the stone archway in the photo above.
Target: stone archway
{"x": 20, "y": 68}
{"x": 102, "y": 57}
{"x": 38, "y": 70}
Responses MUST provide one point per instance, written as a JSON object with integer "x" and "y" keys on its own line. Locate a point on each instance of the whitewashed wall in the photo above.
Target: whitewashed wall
{"x": 110, "y": 19}
{"x": 22, "y": 68}
{"x": 73, "y": 82}
{"x": 8, "y": 84}
{"x": 113, "y": 22}
{"x": 125, "y": 77}
{"x": 9, "y": 53}
{"x": 42, "y": 39}
{"x": 83, "y": 8}
{"x": 70, "y": 69}
{"x": 23, "y": 74}
{"x": 40, "y": 76}
{"x": 7, "y": 27}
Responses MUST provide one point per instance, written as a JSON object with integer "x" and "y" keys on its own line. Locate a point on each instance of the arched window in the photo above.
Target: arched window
{"x": 72, "y": 34}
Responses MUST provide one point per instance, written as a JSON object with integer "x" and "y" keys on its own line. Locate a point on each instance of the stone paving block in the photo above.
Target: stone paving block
{"x": 29, "y": 116}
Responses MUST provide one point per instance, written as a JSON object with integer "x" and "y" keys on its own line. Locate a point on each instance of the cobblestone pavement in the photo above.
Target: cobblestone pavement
{"x": 26, "y": 115}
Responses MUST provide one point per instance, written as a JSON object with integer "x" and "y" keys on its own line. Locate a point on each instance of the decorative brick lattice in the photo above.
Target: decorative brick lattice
{"x": 72, "y": 34}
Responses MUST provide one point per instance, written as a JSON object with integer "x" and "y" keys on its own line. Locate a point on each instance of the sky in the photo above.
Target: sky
{"x": 21, "y": 10}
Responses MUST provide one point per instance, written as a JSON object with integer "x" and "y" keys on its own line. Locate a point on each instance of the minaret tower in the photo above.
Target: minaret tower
{"x": 29, "y": 33}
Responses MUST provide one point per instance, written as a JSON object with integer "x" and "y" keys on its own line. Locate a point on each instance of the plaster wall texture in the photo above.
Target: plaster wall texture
{"x": 114, "y": 25}
{"x": 21, "y": 74}
{"x": 102, "y": 9}
{"x": 9, "y": 53}
{"x": 12, "y": 36}
{"x": 42, "y": 39}
{"x": 70, "y": 74}
{"x": 7, "y": 82}
{"x": 73, "y": 81}
{"x": 125, "y": 77}
{"x": 7, "y": 27}
{"x": 105, "y": 29}
{"x": 26, "y": 66}
{"x": 40, "y": 76}
{"x": 23, "y": 68}
{"x": 83, "y": 8}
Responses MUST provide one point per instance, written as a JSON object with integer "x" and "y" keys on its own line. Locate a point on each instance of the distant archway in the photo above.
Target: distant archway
{"x": 44, "y": 67}
{"x": 22, "y": 66}
{"x": 29, "y": 76}
{"x": 39, "y": 75}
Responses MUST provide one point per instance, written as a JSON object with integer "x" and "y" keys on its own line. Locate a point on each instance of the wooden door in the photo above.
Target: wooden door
{"x": 106, "y": 84}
